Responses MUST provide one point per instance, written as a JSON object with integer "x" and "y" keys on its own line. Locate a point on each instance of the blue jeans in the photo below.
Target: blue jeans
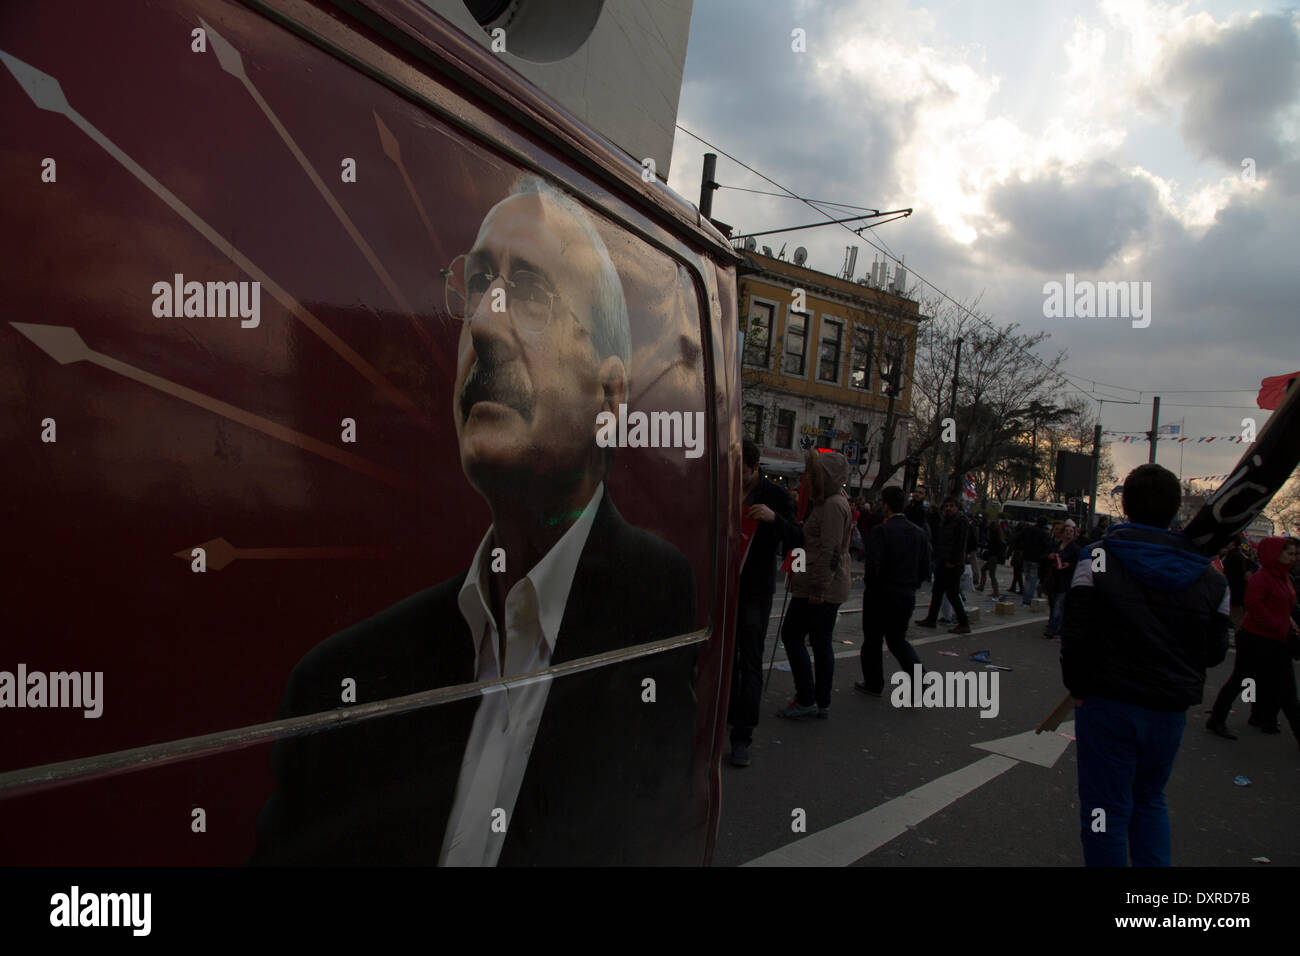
{"x": 1057, "y": 620}
{"x": 1029, "y": 574}
{"x": 1125, "y": 754}
{"x": 817, "y": 623}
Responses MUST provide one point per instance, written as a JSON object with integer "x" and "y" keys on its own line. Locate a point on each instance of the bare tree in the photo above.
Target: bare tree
{"x": 998, "y": 384}
{"x": 1284, "y": 509}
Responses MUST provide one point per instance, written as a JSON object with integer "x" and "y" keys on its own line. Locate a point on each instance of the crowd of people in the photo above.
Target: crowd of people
{"x": 1140, "y": 613}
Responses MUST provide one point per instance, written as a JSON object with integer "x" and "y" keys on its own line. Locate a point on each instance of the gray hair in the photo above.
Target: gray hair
{"x": 610, "y": 332}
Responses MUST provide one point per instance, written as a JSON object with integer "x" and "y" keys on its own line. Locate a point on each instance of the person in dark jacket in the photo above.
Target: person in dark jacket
{"x": 1262, "y": 651}
{"x": 1145, "y": 616}
{"x": 1035, "y": 543}
{"x": 777, "y": 529}
{"x": 995, "y": 554}
{"x": 897, "y": 561}
{"x": 949, "y": 560}
{"x": 1017, "y": 561}
{"x": 915, "y": 511}
{"x": 1064, "y": 560}
{"x": 1236, "y": 568}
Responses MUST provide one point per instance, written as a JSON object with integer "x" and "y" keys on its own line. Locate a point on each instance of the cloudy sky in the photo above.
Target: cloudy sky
{"x": 1104, "y": 139}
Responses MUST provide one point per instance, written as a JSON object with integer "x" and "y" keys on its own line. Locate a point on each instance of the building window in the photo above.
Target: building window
{"x": 796, "y": 343}
{"x": 826, "y": 431}
{"x": 784, "y": 428}
{"x": 828, "y": 368}
{"x": 758, "y": 342}
{"x": 860, "y": 433}
{"x": 864, "y": 341}
{"x": 753, "y": 423}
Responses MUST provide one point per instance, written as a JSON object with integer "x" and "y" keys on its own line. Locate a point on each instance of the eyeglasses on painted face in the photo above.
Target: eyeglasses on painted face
{"x": 528, "y": 299}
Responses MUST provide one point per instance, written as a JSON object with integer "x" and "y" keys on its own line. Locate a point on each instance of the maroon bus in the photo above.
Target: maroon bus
{"x": 371, "y": 441}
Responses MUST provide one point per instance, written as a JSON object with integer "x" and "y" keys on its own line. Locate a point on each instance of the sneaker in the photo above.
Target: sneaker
{"x": 1270, "y": 728}
{"x": 945, "y": 620}
{"x": 925, "y": 623}
{"x": 1220, "y": 728}
{"x": 823, "y": 713}
{"x": 960, "y": 629}
{"x": 858, "y": 685}
{"x": 739, "y": 755}
{"x": 793, "y": 711}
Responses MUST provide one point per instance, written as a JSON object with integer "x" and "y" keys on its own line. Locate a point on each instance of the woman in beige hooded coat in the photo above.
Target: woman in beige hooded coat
{"x": 819, "y": 586}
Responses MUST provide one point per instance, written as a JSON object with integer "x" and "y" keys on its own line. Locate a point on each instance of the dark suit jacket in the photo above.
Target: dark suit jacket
{"x": 609, "y": 777}
{"x": 758, "y": 576}
{"x": 897, "y": 557}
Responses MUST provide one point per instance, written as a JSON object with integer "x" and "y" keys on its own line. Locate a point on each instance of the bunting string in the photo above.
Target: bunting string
{"x": 1124, "y": 437}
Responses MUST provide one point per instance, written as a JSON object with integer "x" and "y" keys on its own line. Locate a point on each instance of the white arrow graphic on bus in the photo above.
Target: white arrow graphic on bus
{"x": 66, "y": 346}
{"x": 47, "y": 94}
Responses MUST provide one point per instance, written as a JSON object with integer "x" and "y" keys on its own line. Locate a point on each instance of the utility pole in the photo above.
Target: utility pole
{"x": 1033, "y": 463}
{"x": 1155, "y": 427}
{"x": 707, "y": 185}
{"x": 946, "y": 487}
{"x": 1096, "y": 472}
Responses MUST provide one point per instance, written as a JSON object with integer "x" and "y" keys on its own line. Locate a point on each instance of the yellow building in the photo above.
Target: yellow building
{"x": 818, "y": 351}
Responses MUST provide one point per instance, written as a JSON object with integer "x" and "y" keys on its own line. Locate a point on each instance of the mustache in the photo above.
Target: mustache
{"x": 491, "y": 381}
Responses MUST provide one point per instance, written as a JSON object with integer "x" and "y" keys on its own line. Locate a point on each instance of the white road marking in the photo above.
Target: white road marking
{"x": 846, "y": 843}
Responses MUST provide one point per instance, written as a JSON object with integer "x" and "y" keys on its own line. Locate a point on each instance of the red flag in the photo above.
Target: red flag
{"x": 1272, "y": 389}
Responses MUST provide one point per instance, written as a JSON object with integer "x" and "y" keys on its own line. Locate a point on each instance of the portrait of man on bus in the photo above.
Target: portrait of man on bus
{"x": 571, "y": 769}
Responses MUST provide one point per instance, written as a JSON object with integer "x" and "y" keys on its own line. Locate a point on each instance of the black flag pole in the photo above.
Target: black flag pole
{"x": 1260, "y": 473}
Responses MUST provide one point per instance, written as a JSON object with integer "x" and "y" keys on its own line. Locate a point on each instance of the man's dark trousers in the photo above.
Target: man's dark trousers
{"x": 946, "y": 581}
{"x": 886, "y": 614}
{"x": 1126, "y": 754}
{"x": 747, "y": 677}
{"x": 817, "y": 621}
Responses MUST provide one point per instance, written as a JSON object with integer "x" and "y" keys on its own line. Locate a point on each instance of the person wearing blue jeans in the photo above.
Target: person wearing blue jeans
{"x": 1126, "y": 754}
{"x": 1035, "y": 543}
{"x": 1061, "y": 577}
{"x": 1029, "y": 577}
{"x": 1145, "y": 616}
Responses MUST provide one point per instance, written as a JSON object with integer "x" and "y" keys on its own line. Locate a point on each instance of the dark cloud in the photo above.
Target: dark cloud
{"x": 1072, "y": 221}
{"x": 1223, "y": 296}
{"x": 1235, "y": 87}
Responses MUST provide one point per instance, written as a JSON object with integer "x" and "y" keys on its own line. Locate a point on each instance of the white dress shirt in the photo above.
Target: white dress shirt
{"x": 506, "y": 722}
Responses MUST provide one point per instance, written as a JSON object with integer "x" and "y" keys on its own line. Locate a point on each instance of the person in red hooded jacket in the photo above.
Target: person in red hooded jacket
{"x": 1262, "y": 651}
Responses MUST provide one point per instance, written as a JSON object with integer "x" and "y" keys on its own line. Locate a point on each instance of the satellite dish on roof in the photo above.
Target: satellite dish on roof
{"x": 751, "y": 244}
{"x": 800, "y": 256}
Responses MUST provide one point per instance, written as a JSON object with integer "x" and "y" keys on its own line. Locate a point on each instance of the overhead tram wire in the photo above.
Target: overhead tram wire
{"x": 1062, "y": 376}
{"x": 823, "y": 202}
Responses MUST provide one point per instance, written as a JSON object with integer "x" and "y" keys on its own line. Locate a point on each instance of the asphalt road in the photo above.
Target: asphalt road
{"x": 865, "y": 771}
